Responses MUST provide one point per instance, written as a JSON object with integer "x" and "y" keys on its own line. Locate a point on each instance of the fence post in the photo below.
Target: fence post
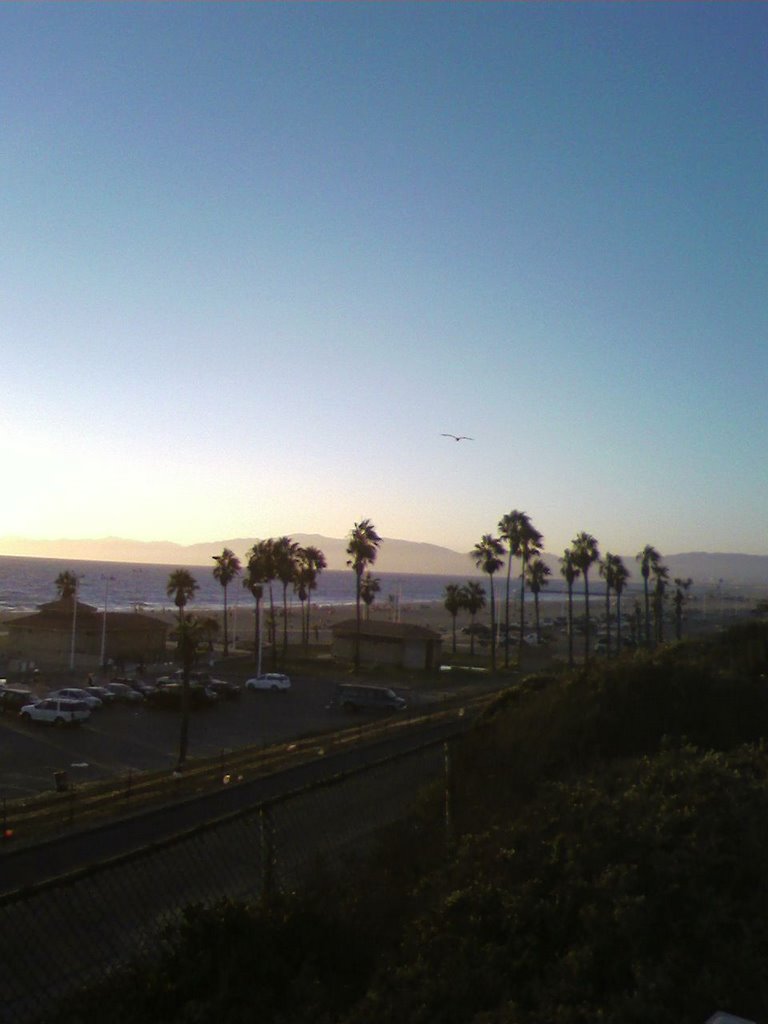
{"x": 267, "y": 832}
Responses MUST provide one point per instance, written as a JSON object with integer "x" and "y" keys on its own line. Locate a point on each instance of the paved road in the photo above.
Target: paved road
{"x": 28, "y": 866}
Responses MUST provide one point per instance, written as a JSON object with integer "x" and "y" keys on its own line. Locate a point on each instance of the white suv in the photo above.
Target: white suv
{"x": 76, "y": 693}
{"x": 56, "y": 712}
{"x": 269, "y": 681}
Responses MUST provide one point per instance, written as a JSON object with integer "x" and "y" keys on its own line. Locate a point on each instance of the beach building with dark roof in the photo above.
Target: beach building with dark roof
{"x": 45, "y": 637}
{"x": 388, "y": 643}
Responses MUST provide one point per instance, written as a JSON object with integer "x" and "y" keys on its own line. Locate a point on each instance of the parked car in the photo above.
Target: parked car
{"x": 199, "y": 677}
{"x": 225, "y": 688}
{"x": 352, "y": 697}
{"x": 269, "y": 681}
{"x": 77, "y": 694}
{"x": 170, "y": 696}
{"x": 12, "y": 698}
{"x": 139, "y": 685}
{"x": 102, "y": 693}
{"x": 124, "y": 693}
{"x": 55, "y": 711}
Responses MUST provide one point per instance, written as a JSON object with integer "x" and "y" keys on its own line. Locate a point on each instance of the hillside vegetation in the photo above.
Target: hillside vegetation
{"x": 606, "y": 863}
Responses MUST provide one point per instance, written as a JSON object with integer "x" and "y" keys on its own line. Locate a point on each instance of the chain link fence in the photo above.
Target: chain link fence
{"x": 64, "y": 934}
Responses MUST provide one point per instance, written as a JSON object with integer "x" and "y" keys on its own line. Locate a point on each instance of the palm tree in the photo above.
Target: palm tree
{"x": 226, "y": 569}
{"x": 523, "y": 541}
{"x": 661, "y": 581}
{"x": 620, "y": 577}
{"x": 369, "y": 588}
{"x": 268, "y": 561}
{"x": 608, "y": 566}
{"x": 190, "y": 635}
{"x": 311, "y": 562}
{"x": 473, "y": 599}
{"x": 256, "y": 575}
{"x": 181, "y": 586}
{"x": 362, "y": 548}
{"x": 585, "y": 554}
{"x": 487, "y": 556}
{"x": 286, "y": 561}
{"x": 647, "y": 558}
{"x": 537, "y": 571}
{"x": 679, "y": 600}
{"x": 454, "y": 602}
{"x": 66, "y": 584}
{"x": 570, "y": 572}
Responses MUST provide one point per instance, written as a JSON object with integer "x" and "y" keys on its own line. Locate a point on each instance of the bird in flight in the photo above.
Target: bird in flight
{"x": 458, "y": 437}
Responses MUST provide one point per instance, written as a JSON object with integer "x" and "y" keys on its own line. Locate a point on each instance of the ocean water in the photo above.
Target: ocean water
{"x": 26, "y": 583}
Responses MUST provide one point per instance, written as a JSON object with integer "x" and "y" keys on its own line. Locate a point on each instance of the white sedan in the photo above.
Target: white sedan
{"x": 269, "y": 681}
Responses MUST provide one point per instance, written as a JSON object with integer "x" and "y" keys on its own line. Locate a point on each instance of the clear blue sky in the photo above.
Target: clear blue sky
{"x": 257, "y": 257}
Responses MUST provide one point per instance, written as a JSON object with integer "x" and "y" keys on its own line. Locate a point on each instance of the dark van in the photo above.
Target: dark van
{"x": 353, "y": 697}
{"x": 12, "y": 698}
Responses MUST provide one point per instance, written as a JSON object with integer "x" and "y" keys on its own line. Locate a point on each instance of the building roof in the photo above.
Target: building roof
{"x": 384, "y": 630}
{"x": 51, "y": 618}
{"x": 65, "y": 606}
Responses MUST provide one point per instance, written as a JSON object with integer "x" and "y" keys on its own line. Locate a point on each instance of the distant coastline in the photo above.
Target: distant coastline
{"x": 706, "y": 569}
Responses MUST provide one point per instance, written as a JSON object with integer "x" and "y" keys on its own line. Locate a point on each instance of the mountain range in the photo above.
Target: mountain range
{"x": 402, "y": 556}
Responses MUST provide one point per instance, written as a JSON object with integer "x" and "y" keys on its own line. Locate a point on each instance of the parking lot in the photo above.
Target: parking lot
{"x": 119, "y": 738}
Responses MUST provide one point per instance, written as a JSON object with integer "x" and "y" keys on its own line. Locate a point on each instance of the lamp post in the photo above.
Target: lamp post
{"x": 102, "y": 656}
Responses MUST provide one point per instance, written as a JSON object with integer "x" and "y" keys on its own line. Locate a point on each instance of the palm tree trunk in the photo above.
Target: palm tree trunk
{"x": 493, "y": 624}
{"x": 536, "y": 613}
{"x": 357, "y": 621}
{"x": 272, "y": 627}
{"x": 647, "y": 613}
{"x": 522, "y": 613}
{"x": 226, "y": 633}
{"x": 608, "y": 620}
{"x": 506, "y": 612}
{"x": 285, "y": 621}
{"x": 586, "y": 617}
{"x": 454, "y": 634}
{"x": 256, "y": 628}
{"x": 570, "y": 625}
{"x": 618, "y": 622}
